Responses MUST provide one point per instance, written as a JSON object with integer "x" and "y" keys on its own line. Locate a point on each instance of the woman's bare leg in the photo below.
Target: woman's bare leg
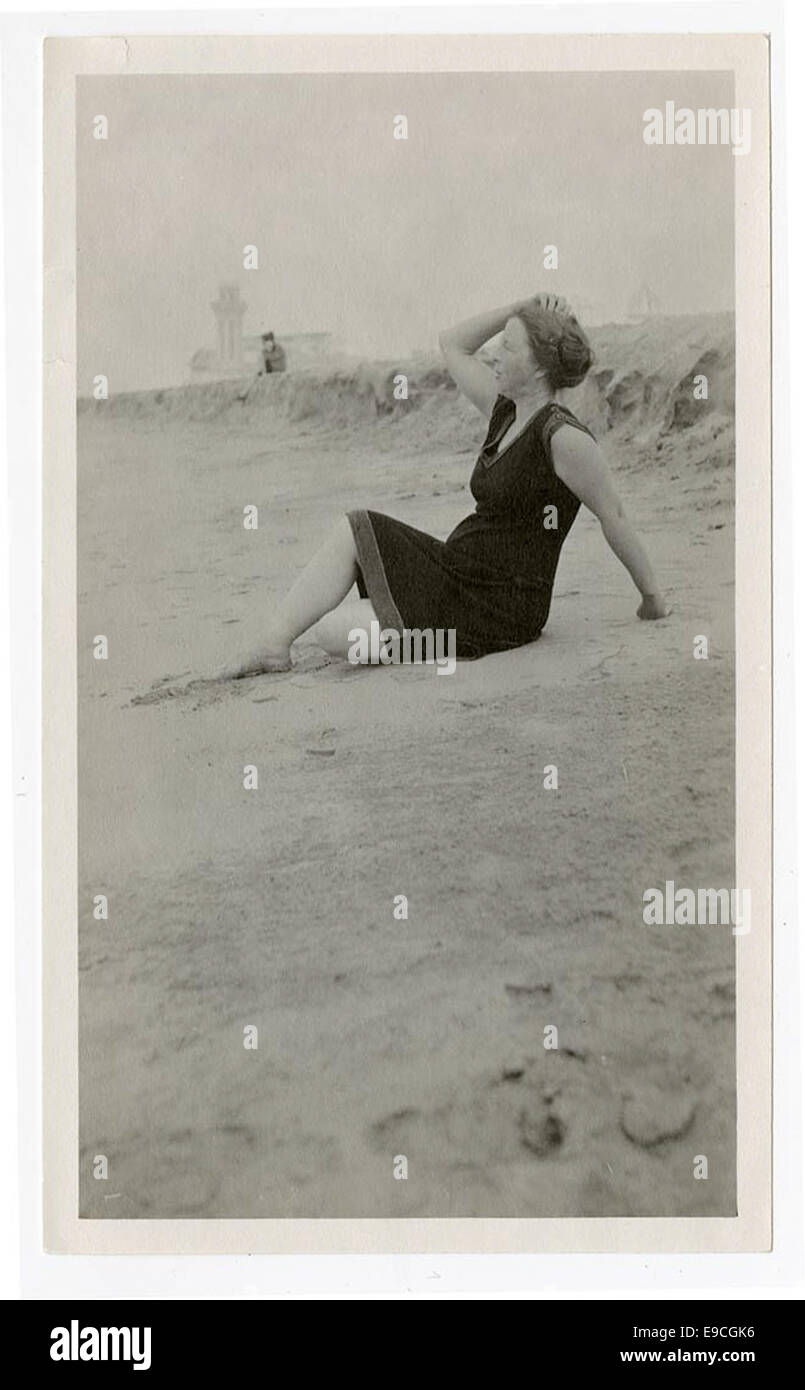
{"x": 323, "y": 583}
{"x": 332, "y": 631}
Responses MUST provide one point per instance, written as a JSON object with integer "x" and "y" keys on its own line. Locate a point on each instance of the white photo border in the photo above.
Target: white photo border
{"x": 25, "y": 502}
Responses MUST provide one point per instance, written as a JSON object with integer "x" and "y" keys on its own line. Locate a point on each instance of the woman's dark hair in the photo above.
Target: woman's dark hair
{"x": 558, "y": 344}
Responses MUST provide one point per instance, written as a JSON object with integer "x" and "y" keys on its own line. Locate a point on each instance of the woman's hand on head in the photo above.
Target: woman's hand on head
{"x": 554, "y": 303}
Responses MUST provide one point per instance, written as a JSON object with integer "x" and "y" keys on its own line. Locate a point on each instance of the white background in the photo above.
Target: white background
{"x": 25, "y": 1272}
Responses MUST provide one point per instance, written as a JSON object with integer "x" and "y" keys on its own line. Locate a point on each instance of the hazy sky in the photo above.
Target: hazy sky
{"x": 383, "y": 241}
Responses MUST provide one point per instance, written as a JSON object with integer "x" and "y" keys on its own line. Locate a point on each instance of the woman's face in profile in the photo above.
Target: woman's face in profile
{"x": 516, "y": 369}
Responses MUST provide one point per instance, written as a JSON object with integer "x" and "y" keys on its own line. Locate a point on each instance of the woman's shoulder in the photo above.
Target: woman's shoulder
{"x": 557, "y": 415}
{"x": 556, "y": 418}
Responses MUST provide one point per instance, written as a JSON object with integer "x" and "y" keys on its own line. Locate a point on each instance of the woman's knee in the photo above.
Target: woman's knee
{"x": 338, "y": 630}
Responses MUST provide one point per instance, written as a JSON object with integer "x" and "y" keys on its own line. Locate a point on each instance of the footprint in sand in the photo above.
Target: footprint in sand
{"x": 166, "y": 680}
{"x": 650, "y": 1116}
{"x": 537, "y": 991}
{"x": 207, "y": 691}
{"x": 212, "y": 690}
{"x": 541, "y": 1131}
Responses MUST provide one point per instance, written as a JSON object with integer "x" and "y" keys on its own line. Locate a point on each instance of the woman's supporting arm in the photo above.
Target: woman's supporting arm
{"x": 578, "y": 461}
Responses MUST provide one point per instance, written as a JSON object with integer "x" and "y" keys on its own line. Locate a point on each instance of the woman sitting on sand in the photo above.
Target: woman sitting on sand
{"x": 491, "y": 580}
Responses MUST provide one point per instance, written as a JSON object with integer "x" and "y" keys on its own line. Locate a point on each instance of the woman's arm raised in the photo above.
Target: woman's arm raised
{"x": 472, "y": 377}
{"x": 578, "y": 461}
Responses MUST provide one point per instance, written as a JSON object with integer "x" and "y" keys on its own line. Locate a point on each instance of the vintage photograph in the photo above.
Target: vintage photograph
{"x": 405, "y": 480}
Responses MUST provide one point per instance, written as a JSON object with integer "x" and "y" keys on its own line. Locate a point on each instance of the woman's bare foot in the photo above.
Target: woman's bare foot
{"x": 266, "y": 662}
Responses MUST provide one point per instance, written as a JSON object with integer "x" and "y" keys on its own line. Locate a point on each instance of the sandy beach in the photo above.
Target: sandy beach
{"x": 273, "y": 907}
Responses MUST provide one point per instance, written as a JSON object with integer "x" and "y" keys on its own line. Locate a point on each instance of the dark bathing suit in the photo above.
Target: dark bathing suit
{"x": 492, "y": 579}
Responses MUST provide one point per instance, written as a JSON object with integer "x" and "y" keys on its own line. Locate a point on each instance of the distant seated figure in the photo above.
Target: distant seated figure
{"x": 273, "y": 355}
